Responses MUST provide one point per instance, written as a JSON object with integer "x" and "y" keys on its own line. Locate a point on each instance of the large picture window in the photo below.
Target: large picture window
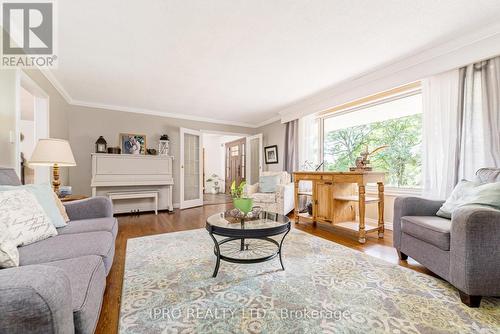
{"x": 395, "y": 122}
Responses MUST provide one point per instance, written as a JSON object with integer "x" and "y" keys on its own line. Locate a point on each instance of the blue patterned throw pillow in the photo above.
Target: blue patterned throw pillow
{"x": 268, "y": 183}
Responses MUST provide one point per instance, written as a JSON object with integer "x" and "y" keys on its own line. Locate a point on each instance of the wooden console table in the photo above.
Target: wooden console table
{"x": 336, "y": 202}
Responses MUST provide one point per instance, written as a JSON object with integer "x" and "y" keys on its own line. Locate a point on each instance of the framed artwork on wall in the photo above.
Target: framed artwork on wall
{"x": 271, "y": 154}
{"x": 132, "y": 143}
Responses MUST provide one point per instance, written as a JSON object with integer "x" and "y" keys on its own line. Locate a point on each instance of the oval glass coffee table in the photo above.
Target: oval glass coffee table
{"x": 247, "y": 241}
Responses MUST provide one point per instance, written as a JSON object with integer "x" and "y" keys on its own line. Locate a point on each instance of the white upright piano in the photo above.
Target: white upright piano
{"x": 126, "y": 177}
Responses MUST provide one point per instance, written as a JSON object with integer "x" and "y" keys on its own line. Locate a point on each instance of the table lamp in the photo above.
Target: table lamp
{"x": 53, "y": 152}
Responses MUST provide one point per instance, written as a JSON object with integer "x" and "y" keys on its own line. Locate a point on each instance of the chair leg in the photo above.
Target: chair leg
{"x": 402, "y": 256}
{"x": 471, "y": 301}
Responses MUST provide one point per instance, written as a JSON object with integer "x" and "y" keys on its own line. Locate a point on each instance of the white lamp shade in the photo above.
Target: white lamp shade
{"x": 52, "y": 151}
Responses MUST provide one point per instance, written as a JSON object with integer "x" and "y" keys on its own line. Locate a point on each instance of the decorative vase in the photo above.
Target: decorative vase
{"x": 243, "y": 204}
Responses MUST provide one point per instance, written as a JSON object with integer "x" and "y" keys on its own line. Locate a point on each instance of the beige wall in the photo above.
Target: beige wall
{"x": 87, "y": 124}
{"x": 274, "y": 134}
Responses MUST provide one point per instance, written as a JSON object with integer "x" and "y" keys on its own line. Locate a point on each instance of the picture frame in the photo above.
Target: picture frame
{"x": 132, "y": 143}
{"x": 271, "y": 154}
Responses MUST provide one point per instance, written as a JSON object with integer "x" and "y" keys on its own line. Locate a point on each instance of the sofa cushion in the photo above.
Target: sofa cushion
{"x": 264, "y": 197}
{"x": 469, "y": 193}
{"x": 87, "y": 279}
{"x": 69, "y": 246}
{"x": 431, "y": 229}
{"x": 268, "y": 183}
{"x": 108, "y": 224}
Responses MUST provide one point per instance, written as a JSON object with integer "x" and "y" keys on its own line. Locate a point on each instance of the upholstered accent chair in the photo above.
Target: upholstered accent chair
{"x": 280, "y": 201}
{"x": 464, "y": 250}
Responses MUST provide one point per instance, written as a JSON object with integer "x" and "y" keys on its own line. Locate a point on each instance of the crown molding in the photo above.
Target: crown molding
{"x": 56, "y": 84}
{"x": 269, "y": 121}
{"x": 159, "y": 113}
{"x": 456, "y": 52}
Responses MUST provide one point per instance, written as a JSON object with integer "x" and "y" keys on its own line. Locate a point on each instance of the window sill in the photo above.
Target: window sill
{"x": 395, "y": 191}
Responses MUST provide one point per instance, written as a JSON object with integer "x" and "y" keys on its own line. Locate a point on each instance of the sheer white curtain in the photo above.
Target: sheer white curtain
{"x": 480, "y": 113}
{"x": 308, "y": 142}
{"x": 440, "y": 128}
{"x": 461, "y": 125}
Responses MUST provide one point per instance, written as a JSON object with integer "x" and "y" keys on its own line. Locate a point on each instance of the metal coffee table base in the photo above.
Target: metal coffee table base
{"x": 217, "y": 252}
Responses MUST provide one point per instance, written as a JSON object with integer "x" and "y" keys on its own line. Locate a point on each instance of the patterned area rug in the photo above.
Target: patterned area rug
{"x": 326, "y": 288}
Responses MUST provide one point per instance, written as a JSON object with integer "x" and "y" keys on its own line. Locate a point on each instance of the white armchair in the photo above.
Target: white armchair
{"x": 281, "y": 201}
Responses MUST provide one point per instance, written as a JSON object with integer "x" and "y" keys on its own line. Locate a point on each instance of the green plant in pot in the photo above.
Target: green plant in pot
{"x": 242, "y": 203}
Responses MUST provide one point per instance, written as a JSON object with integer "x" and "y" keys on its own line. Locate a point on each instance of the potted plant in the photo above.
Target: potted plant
{"x": 242, "y": 203}
{"x": 216, "y": 183}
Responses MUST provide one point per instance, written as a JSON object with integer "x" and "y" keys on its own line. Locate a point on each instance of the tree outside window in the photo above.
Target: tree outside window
{"x": 401, "y": 160}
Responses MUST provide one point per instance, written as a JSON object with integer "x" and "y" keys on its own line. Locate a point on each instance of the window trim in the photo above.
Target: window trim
{"x": 413, "y": 89}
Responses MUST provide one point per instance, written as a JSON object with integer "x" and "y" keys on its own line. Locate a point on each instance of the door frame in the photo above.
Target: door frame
{"x": 198, "y": 201}
{"x": 249, "y": 153}
{"x": 41, "y": 121}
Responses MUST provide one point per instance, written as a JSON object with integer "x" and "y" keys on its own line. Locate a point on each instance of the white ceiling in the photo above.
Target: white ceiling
{"x": 241, "y": 61}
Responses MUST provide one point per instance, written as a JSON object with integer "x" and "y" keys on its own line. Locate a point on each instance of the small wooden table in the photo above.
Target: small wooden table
{"x": 336, "y": 202}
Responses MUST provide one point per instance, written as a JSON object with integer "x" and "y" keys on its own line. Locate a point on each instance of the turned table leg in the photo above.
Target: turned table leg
{"x": 362, "y": 231}
{"x": 380, "y": 209}
{"x": 296, "y": 202}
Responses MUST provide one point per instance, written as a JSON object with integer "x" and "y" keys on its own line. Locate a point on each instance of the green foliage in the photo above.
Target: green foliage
{"x": 237, "y": 191}
{"x": 401, "y": 161}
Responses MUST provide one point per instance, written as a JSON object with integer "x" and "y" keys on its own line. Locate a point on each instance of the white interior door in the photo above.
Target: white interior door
{"x": 191, "y": 167}
{"x": 254, "y": 158}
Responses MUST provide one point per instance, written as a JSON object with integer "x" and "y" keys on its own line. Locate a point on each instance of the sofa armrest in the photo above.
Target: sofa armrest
{"x": 285, "y": 197}
{"x": 35, "y": 299}
{"x": 475, "y": 250}
{"x": 411, "y": 206}
{"x": 94, "y": 207}
{"x": 251, "y": 189}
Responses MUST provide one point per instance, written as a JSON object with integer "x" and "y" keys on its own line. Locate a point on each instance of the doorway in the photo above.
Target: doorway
{"x": 214, "y": 166}
{"x": 32, "y": 124}
{"x": 235, "y": 163}
{"x": 207, "y": 171}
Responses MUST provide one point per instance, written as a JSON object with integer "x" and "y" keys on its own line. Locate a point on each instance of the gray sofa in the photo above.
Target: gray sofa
{"x": 59, "y": 285}
{"x": 465, "y": 250}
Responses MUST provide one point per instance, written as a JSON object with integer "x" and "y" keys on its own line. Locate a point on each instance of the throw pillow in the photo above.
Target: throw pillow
{"x": 61, "y": 207}
{"x": 26, "y": 221}
{"x": 468, "y": 193}
{"x": 268, "y": 183}
{"x": 45, "y": 196}
{"x": 9, "y": 255}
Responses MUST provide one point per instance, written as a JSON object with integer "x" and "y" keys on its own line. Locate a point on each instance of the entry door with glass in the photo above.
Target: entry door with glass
{"x": 191, "y": 167}
{"x": 235, "y": 163}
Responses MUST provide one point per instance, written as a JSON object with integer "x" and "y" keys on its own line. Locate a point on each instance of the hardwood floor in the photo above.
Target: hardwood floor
{"x": 149, "y": 224}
